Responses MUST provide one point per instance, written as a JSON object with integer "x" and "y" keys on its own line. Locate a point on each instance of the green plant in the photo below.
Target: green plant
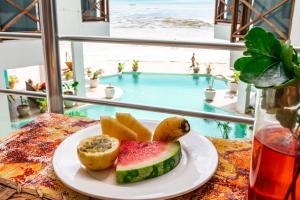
{"x": 10, "y": 98}
{"x": 267, "y": 62}
{"x": 23, "y": 101}
{"x": 225, "y": 129}
{"x": 270, "y": 63}
{"x": 42, "y": 104}
{"x": 68, "y": 87}
{"x": 211, "y": 82}
{"x": 13, "y": 79}
{"x": 97, "y": 74}
{"x": 75, "y": 113}
{"x": 236, "y": 76}
{"x": 69, "y": 74}
{"x": 121, "y": 67}
{"x": 135, "y": 65}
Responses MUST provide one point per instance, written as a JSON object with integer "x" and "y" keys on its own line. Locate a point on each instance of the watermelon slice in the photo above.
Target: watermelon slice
{"x": 143, "y": 160}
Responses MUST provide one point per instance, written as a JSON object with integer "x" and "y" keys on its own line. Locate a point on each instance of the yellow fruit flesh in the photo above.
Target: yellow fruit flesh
{"x": 171, "y": 129}
{"x": 98, "y": 152}
{"x": 143, "y": 134}
{"x": 113, "y": 128}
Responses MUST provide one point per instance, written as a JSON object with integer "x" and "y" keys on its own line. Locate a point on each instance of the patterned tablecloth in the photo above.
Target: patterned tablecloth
{"x": 26, "y": 170}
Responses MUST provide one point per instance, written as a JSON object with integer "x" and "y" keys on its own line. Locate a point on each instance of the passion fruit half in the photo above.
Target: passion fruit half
{"x": 98, "y": 152}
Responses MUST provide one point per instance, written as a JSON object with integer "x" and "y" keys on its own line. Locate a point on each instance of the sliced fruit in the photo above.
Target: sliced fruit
{"x": 143, "y": 160}
{"x": 143, "y": 134}
{"x": 112, "y": 127}
{"x": 170, "y": 129}
{"x": 98, "y": 152}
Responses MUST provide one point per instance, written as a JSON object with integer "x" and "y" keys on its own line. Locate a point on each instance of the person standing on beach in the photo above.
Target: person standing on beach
{"x": 194, "y": 62}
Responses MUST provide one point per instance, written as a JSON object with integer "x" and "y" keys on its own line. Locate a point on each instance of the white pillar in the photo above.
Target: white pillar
{"x": 295, "y": 39}
{"x": 78, "y": 66}
{"x": 5, "y": 122}
{"x": 243, "y": 97}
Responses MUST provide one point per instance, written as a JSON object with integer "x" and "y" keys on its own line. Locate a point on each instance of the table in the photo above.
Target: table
{"x": 26, "y": 170}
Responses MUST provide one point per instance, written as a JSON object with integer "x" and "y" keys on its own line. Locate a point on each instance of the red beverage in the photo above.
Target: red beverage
{"x": 274, "y": 165}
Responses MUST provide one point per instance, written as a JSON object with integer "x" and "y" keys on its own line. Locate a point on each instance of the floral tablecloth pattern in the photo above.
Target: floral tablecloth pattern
{"x": 26, "y": 168}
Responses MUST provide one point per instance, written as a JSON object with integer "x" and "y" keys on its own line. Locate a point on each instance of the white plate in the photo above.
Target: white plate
{"x": 198, "y": 164}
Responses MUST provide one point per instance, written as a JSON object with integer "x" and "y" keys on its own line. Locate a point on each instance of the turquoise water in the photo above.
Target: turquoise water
{"x": 172, "y": 91}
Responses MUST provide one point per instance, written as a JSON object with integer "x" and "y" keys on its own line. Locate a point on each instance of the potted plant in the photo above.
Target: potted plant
{"x": 89, "y": 72}
{"x": 273, "y": 67}
{"x": 23, "y": 109}
{"x": 94, "y": 80}
{"x": 121, "y": 67}
{"x": 69, "y": 63}
{"x": 42, "y": 105}
{"x": 12, "y": 80}
{"x": 109, "y": 91}
{"x": 208, "y": 69}
{"x": 69, "y": 75}
{"x": 210, "y": 92}
{"x": 70, "y": 89}
{"x": 225, "y": 129}
{"x": 135, "y": 65}
{"x": 234, "y": 81}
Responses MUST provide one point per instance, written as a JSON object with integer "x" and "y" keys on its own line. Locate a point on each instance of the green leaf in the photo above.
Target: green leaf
{"x": 260, "y": 42}
{"x": 273, "y": 76}
{"x": 267, "y": 62}
{"x": 287, "y": 55}
{"x": 252, "y": 67}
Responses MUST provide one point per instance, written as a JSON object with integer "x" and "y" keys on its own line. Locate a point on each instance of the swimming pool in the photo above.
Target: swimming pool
{"x": 163, "y": 90}
{"x": 166, "y": 90}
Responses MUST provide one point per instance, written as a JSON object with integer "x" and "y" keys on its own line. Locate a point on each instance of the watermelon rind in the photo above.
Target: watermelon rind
{"x": 151, "y": 171}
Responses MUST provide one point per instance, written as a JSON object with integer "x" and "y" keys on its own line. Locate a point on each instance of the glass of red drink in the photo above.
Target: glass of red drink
{"x": 275, "y": 164}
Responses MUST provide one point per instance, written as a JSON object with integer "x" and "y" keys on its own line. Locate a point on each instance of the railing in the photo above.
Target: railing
{"x": 53, "y": 82}
{"x": 250, "y": 15}
{"x": 223, "y": 11}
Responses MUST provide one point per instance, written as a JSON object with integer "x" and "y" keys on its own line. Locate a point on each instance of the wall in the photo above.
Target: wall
{"x": 222, "y": 31}
{"x": 70, "y": 20}
{"x": 20, "y": 53}
{"x": 295, "y": 37}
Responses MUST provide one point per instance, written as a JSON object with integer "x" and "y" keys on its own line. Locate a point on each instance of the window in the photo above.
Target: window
{"x": 95, "y": 10}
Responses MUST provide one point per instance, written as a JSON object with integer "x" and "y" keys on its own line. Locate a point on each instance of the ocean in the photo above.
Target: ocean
{"x": 163, "y": 19}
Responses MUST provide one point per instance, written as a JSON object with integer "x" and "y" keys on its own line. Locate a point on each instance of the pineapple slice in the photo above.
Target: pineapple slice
{"x": 114, "y": 128}
{"x": 143, "y": 134}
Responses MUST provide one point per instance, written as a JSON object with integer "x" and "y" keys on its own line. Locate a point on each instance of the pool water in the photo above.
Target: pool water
{"x": 184, "y": 92}
{"x": 166, "y": 90}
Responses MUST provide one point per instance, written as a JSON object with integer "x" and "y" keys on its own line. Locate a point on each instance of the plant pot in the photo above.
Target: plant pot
{"x": 120, "y": 70}
{"x": 68, "y": 104}
{"x": 210, "y": 94}
{"x": 233, "y": 87}
{"x": 135, "y": 69}
{"x": 69, "y": 65}
{"x": 11, "y": 85}
{"x": 275, "y": 165}
{"x": 208, "y": 71}
{"x": 23, "y": 110}
{"x": 109, "y": 92}
{"x": 196, "y": 70}
{"x": 42, "y": 110}
{"x": 94, "y": 83}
